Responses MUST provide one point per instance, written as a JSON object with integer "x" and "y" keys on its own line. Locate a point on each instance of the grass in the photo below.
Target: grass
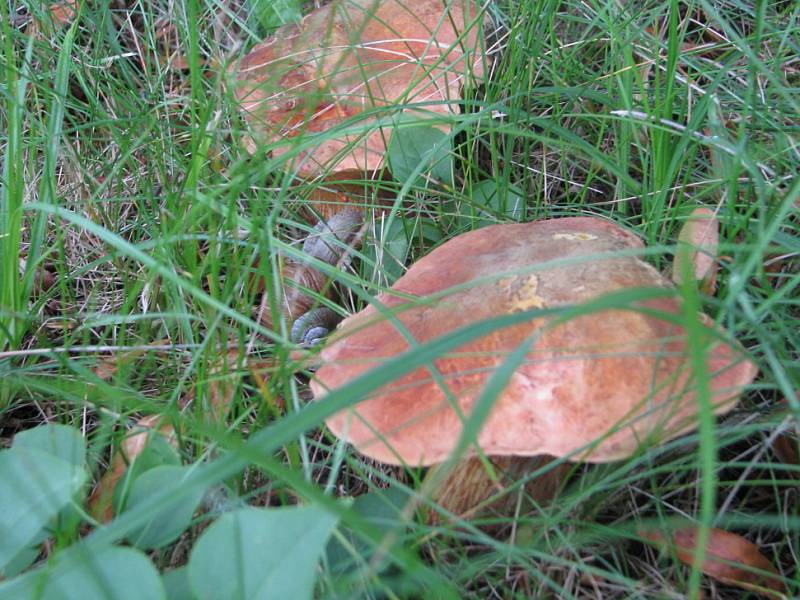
{"x": 137, "y": 224}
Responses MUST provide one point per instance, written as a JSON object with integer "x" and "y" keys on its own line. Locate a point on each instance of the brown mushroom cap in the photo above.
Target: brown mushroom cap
{"x": 611, "y": 378}
{"x": 350, "y": 56}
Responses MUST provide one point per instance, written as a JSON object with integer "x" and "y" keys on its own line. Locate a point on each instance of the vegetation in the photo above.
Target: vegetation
{"x": 136, "y": 236}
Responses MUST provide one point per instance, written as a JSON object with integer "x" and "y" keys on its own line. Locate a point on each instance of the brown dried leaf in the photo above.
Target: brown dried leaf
{"x": 697, "y": 244}
{"x": 55, "y": 16}
{"x": 60, "y": 325}
{"x": 166, "y": 35}
{"x": 63, "y": 13}
{"x": 179, "y": 61}
{"x": 786, "y": 445}
{"x": 223, "y": 381}
{"x": 107, "y": 366}
{"x": 729, "y": 558}
{"x": 43, "y": 280}
{"x": 100, "y": 502}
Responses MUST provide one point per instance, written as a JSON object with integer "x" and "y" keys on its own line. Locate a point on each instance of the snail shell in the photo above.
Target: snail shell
{"x": 330, "y": 239}
{"x": 329, "y": 242}
{"x": 311, "y": 327}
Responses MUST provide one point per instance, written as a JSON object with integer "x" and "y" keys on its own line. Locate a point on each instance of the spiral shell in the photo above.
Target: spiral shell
{"x": 303, "y": 282}
{"x": 331, "y": 238}
{"x": 311, "y": 327}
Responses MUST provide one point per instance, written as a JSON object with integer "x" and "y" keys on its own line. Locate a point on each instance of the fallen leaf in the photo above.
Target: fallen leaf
{"x": 166, "y": 34}
{"x": 60, "y": 325}
{"x": 54, "y": 17}
{"x": 697, "y": 245}
{"x": 262, "y": 370}
{"x": 786, "y": 445}
{"x": 43, "y": 280}
{"x": 63, "y": 13}
{"x": 43, "y": 277}
{"x": 729, "y": 558}
{"x": 179, "y": 61}
{"x": 259, "y": 372}
{"x": 106, "y": 366}
{"x": 101, "y": 501}
{"x": 223, "y": 381}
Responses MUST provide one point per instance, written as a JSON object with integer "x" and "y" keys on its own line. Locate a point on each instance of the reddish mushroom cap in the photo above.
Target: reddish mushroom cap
{"x": 612, "y": 378}
{"x": 351, "y": 56}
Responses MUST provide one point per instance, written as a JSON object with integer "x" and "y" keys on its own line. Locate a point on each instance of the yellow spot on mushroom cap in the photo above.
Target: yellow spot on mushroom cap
{"x": 521, "y": 291}
{"x": 580, "y": 236}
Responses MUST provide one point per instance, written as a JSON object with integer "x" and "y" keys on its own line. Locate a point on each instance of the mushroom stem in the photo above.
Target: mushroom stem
{"x": 468, "y": 487}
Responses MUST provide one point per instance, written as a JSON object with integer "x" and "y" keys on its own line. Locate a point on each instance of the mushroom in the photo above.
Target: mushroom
{"x": 345, "y": 62}
{"x": 352, "y": 58}
{"x": 595, "y": 387}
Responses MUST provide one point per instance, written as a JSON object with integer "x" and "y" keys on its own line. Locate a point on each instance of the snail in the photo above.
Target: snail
{"x": 331, "y": 238}
{"x": 329, "y": 243}
{"x": 311, "y": 327}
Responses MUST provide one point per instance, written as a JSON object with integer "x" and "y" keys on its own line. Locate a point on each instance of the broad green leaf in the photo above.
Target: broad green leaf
{"x": 22, "y": 586}
{"x": 429, "y": 231}
{"x": 256, "y": 553}
{"x": 495, "y": 202}
{"x": 113, "y": 573}
{"x": 34, "y": 487}
{"x": 156, "y": 453}
{"x": 173, "y": 517}
{"x": 390, "y": 251}
{"x": 176, "y": 583}
{"x": 274, "y": 13}
{"x": 380, "y": 509}
{"x": 421, "y": 147}
{"x": 62, "y": 441}
{"x": 24, "y": 557}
